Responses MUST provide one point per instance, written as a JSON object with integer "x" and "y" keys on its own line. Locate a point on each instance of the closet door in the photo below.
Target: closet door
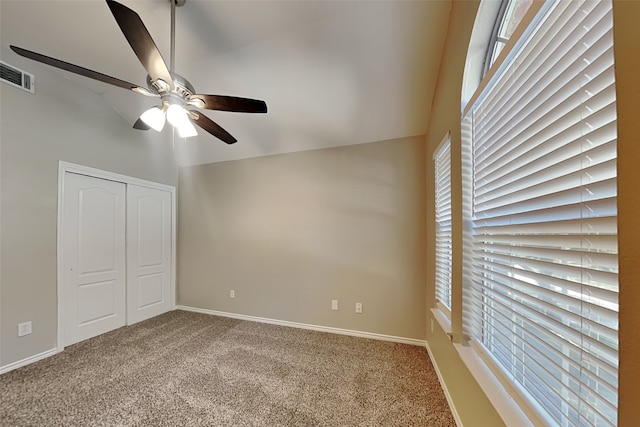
{"x": 149, "y": 252}
{"x": 93, "y": 242}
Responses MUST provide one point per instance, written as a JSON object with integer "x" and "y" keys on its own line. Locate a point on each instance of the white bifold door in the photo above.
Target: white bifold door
{"x": 116, "y": 255}
{"x": 148, "y": 253}
{"x": 94, "y": 242}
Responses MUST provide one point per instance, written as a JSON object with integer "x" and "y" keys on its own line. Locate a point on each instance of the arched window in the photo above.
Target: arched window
{"x": 509, "y": 16}
{"x": 495, "y": 23}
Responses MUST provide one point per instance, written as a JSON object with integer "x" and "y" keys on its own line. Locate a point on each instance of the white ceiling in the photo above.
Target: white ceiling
{"x": 331, "y": 72}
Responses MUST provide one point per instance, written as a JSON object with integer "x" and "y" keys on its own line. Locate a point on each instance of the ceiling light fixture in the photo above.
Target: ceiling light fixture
{"x": 179, "y": 119}
{"x": 187, "y": 130}
{"x": 175, "y": 114}
{"x": 154, "y": 117}
{"x": 177, "y": 95}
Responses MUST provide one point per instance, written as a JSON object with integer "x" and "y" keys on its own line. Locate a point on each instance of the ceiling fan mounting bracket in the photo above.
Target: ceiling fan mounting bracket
{"x": 178, "y": 3}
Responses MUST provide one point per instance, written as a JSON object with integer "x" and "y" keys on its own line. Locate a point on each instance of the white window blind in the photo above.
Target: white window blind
{"x": 542, "y": 299}
{"x": 442, "y": 165}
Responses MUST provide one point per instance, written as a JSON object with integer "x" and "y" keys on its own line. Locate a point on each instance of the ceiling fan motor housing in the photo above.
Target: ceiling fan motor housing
{"x": 182, "y": 87}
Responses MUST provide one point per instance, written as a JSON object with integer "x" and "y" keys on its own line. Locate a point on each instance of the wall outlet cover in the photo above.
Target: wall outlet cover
{"x": 24, "y": 328}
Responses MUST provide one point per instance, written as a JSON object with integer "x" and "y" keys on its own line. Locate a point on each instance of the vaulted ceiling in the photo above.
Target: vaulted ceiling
{"x": 331, "y": 72}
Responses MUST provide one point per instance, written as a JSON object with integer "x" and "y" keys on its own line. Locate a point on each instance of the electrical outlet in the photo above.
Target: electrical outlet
{"x": 359, "y": 307}
{"x": 232, "y": 294}
{"x": 24, "y": 328}
{"x": 334, "y": 304}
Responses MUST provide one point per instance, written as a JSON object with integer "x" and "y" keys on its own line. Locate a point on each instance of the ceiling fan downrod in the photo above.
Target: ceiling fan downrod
{"x": 172, "y": 53}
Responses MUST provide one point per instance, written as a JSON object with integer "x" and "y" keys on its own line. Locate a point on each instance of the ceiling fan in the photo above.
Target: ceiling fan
{"x": 177, "y": 95}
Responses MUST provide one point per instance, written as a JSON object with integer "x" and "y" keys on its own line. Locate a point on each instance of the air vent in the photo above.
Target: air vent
{"x": 16, "y": 77}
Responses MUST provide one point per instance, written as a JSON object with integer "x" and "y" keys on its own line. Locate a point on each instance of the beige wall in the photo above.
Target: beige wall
{"x": 289, "y": 233}
{"x": 626, "y": 15}
{"x": 62, "y": 121}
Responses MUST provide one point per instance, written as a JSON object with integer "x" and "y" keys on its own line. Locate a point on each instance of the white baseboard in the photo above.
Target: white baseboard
{"x": 370, "y": 335}
{"x": 28, "y": 360}
{"x": 456, "y": 416}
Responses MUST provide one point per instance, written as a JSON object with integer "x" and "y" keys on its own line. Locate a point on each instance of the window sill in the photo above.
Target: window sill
{"x": 443, "y": 320}
{"x": 503, "y": 402}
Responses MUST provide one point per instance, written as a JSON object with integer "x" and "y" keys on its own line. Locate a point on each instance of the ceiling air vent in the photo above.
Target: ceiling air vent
{"x": 16, "y": 77}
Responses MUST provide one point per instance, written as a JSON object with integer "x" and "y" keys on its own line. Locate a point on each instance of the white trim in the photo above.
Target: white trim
{"x": 329, "y": 329}
{"x": 519, "y": 34}
{"x": 60, "y": 280}
{"x": 64, "y": 167}
{"x": 443, "y": 319}
{"x": 174, "y": 257}
{"x": 503, "y": 402}
{"x": 446, "y": 139}
{"x": 477, "y": 51}
{"x": 28, "y": 360}
{"x": 452, "y": 406}
{"x": 446, "y": 311}
{"x": 111, "y": 176}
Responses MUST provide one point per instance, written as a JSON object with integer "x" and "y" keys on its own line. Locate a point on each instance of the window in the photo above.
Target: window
{"x": 510, "y": 14}
{"x": 541, "y": 296}
{"x": 442, "y": 163}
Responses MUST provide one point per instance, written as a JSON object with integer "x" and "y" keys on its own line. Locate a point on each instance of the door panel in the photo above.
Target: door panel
{"x": 96, "y": 301}
{"x": 93, "y": 242}
{"x": 150, "y": 289}
{"x": 149, "y": 253}
{"x": 97, "y": 226}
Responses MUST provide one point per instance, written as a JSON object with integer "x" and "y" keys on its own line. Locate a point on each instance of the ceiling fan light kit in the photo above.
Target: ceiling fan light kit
{"x": 154, "y": 117}
{"x": 179, "y": 119}
{"x": 175, "y": 92}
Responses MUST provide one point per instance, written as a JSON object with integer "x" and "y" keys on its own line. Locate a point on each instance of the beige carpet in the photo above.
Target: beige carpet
{"x": 188, "y": 369}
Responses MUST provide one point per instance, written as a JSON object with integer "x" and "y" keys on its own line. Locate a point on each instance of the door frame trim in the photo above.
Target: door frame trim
{"x": 63, "y": 168}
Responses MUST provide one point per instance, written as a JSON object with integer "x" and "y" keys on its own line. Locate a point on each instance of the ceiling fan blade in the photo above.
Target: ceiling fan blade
{"x": 231, "y": 103}
{"x": 76, "y": 69}
{"x": 212, "y": 127}
{"x": 141, "y": 42}
{"x": 140, "y": 125}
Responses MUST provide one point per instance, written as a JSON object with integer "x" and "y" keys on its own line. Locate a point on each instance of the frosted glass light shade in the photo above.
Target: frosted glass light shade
{"x": 154, "y": 117}
{"x": 187, "y": 129}
{"x": 177, "y": 115}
